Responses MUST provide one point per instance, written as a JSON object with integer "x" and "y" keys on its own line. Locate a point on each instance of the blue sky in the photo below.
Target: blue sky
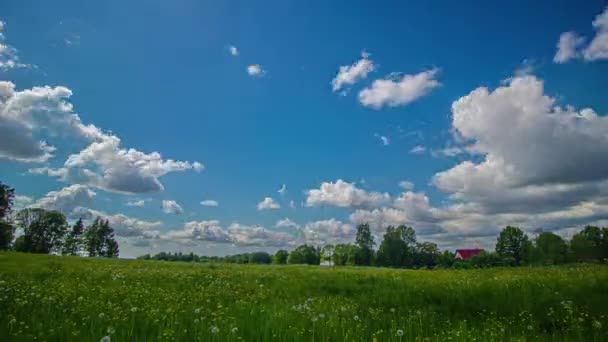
{"x": 161, "y": 77}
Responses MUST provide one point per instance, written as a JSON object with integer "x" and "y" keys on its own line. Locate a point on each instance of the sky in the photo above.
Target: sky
{"x": 234, "y": 126}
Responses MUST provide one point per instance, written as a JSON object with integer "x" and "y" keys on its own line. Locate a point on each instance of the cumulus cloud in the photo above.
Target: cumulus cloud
{"x": 255, "y": 70}
{"x": 66, "y": 199}
{"x": 398, "y": 90}
{"x": 329, "y": 231}
{"x": 8, "y": 54}
{"x": 171, "y": 207}
{"x": 199, "y": 230}
{"x": 245, "y": 235}
{"x": 209, "y": 203}
{"x": 571, "y": 45}
{"x": 350, "y": 74}
{"x": 268, "y": 203}
{"x": 344, "y": 194}
{"x": 124, "y": 226}
{"x": 406, "y": 185}
{"x": 286, "y": 223}
{"x": 567, "y": 47}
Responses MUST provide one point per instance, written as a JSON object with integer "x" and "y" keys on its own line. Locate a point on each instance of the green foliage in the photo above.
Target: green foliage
{"x": 73, "y": 242}
{"x": 99, "y": 239}
{"x": 364, "y": 255}
{"x": 304, "y": 254}
{"x": 327, "y": 253}
{"x": 487, "y": 259}
{"x": 548, "y": 249}
{"x": 344, "y": 254}
{"x": 398, "y": 247}
{"x": 7, "y": 232}
{"x": 590, "y": 244}
{"x": 43, "y": 230}
{"x": 7, "y": 194}
{"x": 512, "y": 243}
{"x": 83, "y": 299}
{"x": 260, "y": 258}
{"x": 426, "y": 255}
{"x": 280, "y": 257}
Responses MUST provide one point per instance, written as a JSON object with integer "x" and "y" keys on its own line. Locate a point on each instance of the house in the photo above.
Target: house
{"x": 466, "y": 254}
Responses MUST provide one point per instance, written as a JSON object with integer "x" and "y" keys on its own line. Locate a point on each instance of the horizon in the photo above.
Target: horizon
{"x": 229, "y": 128}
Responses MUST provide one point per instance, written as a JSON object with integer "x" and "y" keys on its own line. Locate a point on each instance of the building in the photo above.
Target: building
{"x": 466, "y": 254}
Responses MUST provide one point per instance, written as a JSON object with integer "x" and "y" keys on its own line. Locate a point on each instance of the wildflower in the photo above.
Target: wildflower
{"x": 393, "y": 310}
{"x": 321, "y": 315}
{"x": 215, "y": 330}
{"x": 105, "y": 339}
{"x": 356, "y": 318}
{"x": 110, "y": 330}
{"x": 530, "y": 327}
{"x": 314, "y": 319}
{"x": 134, "y": 309}
{"x": 101, "y": 315}
{"x": 196, "y": 320}
{"x": 80, "y": 299}
{"x": 197, "y": 311}
{"x": 235, "y": 330}
{"x": 399, "y": 332}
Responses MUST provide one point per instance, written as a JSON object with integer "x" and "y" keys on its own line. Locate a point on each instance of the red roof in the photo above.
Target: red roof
{"x": 466, "y": 254}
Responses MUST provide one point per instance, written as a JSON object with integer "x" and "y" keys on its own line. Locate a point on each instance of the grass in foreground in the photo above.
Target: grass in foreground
{"x": 77, "y": 299}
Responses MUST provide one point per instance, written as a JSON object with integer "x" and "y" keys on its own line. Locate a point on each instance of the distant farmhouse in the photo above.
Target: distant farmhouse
{"x": 466, "y": 254}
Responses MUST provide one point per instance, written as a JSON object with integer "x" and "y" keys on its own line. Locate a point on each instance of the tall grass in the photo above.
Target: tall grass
{"x": 78, "y": 299}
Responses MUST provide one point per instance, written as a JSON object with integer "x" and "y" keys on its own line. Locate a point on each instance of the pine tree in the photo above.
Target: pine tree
{"x": 91, "y": 238}
{"x": 73, "y": 242}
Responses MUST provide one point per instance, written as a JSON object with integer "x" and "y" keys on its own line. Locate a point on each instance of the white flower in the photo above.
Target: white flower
{"x": 235, "y": 330}
{"x": 134, "y": 309}
{"x": 321, "y": 315}
{"x": 393, "y": 310}
{"x": 101, "y": 315}
{"x": 597, "y": 324}
{"x": 197, "y": 311}
{"x": 110, "y": 330}
{"x": 196, "y": 320}
{"x": 356, "y": 318}
{"x": 399, "y": 332}
{"x": 215, "y": 330}
{"x": 105, "y": 339}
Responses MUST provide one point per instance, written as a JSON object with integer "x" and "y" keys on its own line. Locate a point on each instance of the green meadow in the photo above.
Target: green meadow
{"x": 53, "y": 298}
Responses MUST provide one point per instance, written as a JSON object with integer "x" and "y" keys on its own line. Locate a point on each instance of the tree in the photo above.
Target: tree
{"x": 549, "y": 248}
{"x": 304, "y": 254}
{"x": 426, "y": 255}
{"x": 365, "y": 242}
{"x": 590, "y": 244}
{"x": 397, "y": 247}
{"x": 43, "y": 230}
{"x": 99, "y": 239}
{"x": 344, "y": 254}
{"x": 512, "y": 243}
{"x": 327, "y": 253}
{"x": 73, "y": 242}
{"x": 445, "y": 259}
{"x": 7, "y": 230}
{"x": 259, "y": 258}
{"x": 486, "y": 259}
{"x": 7, "y": 195}
{"x": 280, "y": 257}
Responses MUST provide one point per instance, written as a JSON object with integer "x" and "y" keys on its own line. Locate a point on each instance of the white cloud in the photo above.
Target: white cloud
{"x": 199, "y": 230}
{"x": 286, "y": 223}
{"x": 330, "y": 231}
{"x": 598, "y": 47}
{"x": 385, "y": 141}
{"x": 350, "y": 74}
{"x": 570, "y": 44}
{"x": 283, "y": 189}
{"x": 123, "y": 225}
{"x": 255, "y": 70}
{"x": 209, "y": 203}
{"x": 567, "y": 47}
{"x": 171, "y": 207}
{"x": 268, "y": 203}
{"x": 258, "y": 236}
{"x": 406, "y": 185}
{"x": 292, "y": 204}
{"x": 21, "y": 201}
{"x": 233, "y": 50}
{"x": 136, "y": 203}
{"x": 344, "y": 194}
{"x": 66, "y": 199}
{"x": 418, "y": 149}
{"x": 8, "y": 54}
{"x": 398, "y": 90}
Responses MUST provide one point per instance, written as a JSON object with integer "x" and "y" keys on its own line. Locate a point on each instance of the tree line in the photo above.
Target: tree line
{"x": 399, "y": 248}
{"x": 48, "y": 231}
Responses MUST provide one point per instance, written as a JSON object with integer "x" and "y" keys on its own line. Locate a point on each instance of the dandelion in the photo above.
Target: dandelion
{"x": 134, "y": 309}
{"x": 110, "y": 330}
{"x": 597, "y": 325}
{"x": 530, "y": 327}
{"x": 235, "y": 330}
{"x": 197, "y": 311}
{"x": 321, "y": 315}
{"x": 105, "y": 339}
{"x": 393, "y": 310}
{"x": 399, "y": 332}
{"x": 196, "y": 320}
{"x": 101, "y": 315}
{"x": 356, "y": 318}
{"x": 215, "y": 330}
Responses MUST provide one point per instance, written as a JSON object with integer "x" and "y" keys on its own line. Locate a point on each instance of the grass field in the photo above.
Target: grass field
{"x": 47, "y": 298}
